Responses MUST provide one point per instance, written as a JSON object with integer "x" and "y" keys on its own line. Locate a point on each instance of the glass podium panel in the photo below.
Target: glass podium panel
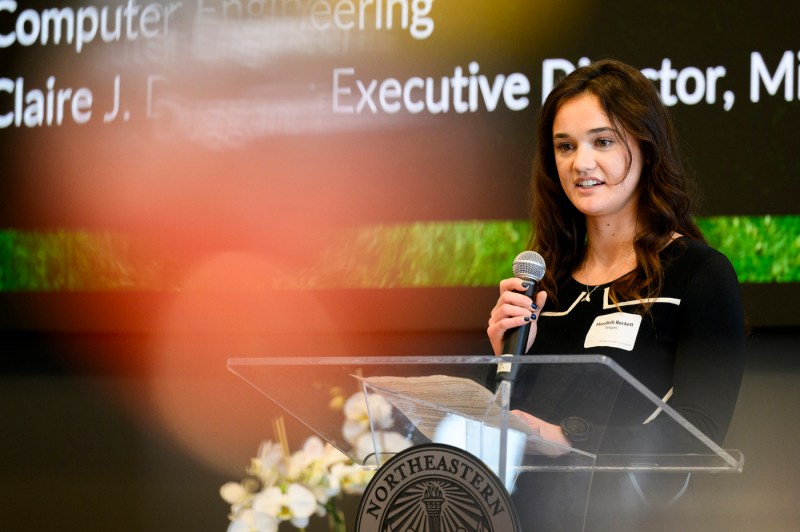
{"x": 371, "y": 408}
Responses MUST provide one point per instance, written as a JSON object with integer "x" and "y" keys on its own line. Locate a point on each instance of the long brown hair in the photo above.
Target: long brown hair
{"x": 559, "y": 230}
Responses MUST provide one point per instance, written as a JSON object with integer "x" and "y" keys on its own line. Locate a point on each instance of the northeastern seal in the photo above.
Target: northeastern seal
{"x": 435, "y": 488}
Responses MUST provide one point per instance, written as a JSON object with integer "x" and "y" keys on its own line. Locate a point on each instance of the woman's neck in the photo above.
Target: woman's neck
{"x": 609, "y": 240}
{"x": 609, "y": 251}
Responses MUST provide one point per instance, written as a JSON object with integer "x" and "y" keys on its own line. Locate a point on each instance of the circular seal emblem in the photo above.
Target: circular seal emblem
{"x": 435, "y": 488}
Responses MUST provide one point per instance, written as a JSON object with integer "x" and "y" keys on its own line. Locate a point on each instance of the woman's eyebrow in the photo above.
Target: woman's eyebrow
{"x": 591, "y": 131}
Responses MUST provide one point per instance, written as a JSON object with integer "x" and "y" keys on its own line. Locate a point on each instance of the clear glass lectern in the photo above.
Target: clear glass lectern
{"x": 393, "y": 403}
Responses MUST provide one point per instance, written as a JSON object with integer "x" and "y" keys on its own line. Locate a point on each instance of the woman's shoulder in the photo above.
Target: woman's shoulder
{"x": 688, "y": 254}
{"x": 690, "y": 247}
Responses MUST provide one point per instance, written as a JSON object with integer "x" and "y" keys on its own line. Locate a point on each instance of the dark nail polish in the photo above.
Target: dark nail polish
{"x": 535, "y": 306}
{"x": 525, "y": 284}
{"x": 526, "y": 318}
{"x": 533, "y": 316}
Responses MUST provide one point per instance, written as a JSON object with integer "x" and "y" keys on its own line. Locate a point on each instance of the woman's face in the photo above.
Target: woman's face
{"x": 596, "y": 171}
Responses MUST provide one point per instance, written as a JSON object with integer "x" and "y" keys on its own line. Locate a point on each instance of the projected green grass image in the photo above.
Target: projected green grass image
{"x": 764, "y": 249}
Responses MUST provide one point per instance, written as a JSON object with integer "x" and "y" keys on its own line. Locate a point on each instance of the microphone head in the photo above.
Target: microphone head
{"x": 529, "y": 266}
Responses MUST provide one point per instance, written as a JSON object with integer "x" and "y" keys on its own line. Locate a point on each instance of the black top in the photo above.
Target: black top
{"x": 689, "y": 346}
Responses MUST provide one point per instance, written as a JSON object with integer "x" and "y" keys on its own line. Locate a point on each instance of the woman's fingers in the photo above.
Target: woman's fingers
{"x": 513, "y": 309}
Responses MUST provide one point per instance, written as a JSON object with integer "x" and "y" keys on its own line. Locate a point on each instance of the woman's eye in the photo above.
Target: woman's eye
{"x": 563, "y": 146}
{"x": 604, "y": 143}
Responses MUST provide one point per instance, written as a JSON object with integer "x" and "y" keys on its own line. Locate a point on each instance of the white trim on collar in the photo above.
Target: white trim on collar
{"x": 607, "y": 305}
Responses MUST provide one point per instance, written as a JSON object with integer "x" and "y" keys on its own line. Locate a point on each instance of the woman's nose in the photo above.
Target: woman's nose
{"x": 584, "y": 159}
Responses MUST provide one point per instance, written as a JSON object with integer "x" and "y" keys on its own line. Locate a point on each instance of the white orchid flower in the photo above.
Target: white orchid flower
{"x": 325, "y": 486}
{"x": 234, "y": 493}
{"x": 314, "y": 447}
{"x": 311, "y": 466}
{"x": 252, "y": 521}
{"x": 381, "y": 442}
{"x": 239, "y": 494}
{"x": 317, "y": 450}
{"x": 357, "y": 412}
{"x": 308, "y": 461}
{"x": 353, "y": 429}
{"x": 333, "y": 456}
{"x": 352, "y": 478}
{"x": 292, "y": 488}
{"x": 270, "y": 454}
{"x": 267, "y": 465}
{"x": 360, "y": 409}
{"x": 297, "y": 505}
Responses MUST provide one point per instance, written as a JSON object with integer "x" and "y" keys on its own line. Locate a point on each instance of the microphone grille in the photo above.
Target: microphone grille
{"x": 529, "y": 265}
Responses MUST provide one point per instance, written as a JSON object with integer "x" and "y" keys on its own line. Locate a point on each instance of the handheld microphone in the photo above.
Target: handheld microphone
{"x": 528, "y": 266}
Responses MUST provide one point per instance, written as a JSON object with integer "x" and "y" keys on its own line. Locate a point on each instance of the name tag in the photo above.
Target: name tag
{"x": 614, "y": 330}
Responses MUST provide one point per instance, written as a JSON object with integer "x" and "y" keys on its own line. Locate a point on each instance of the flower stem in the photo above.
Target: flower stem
{"x": 336, "y": 520}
